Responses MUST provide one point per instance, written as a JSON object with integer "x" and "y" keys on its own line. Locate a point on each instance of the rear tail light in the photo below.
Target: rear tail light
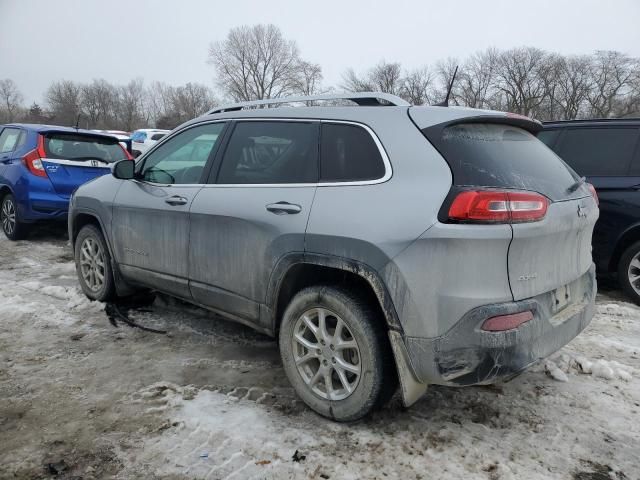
{"x": 497, "y": 206}
{"x": 592, "y": 189}
{"x": 33, "y": 159}
{"x": 506, "y": 322}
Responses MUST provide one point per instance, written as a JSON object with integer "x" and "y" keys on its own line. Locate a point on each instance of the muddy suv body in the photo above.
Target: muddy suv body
{"x": 379, "y": 242}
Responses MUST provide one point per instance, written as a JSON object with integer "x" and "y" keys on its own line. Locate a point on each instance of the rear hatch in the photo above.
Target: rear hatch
{"x": 73, "y": 158}
{"x": 501, "y": 154}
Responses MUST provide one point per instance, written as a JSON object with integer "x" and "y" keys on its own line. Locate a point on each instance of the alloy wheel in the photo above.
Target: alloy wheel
{"x": 326, "y": 354}
{"x": 92, "y": 265}
{"x": 8, "y": 216}
{"x": 633, "y": 273}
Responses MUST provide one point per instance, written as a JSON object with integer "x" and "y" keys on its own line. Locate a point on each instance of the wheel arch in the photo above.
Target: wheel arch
{"x": 297, "y": 271}
{"x": 628, "y": 237}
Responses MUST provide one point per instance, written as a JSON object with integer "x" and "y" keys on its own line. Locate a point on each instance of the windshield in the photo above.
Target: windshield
{"x": 71, "y": 146}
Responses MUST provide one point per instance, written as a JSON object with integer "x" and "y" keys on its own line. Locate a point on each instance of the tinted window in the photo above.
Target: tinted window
{"x": 598, "y": 151}
{"x": 271, "y": 152}
{"x": 503, "y": 156}
{"x": 9, "y": 139}
{"x": 349, "y": 153}
{"x": 157, "y": 136}
{"x": 548, "y": 137}
{"x": 181, "y": 160}
{"x": 71, "y": 146}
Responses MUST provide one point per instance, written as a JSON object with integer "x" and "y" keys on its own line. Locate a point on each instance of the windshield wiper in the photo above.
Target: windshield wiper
{"x": 576, "y": 185}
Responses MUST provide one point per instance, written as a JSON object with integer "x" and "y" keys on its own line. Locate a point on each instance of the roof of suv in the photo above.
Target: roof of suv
{"x": 590, "y": 122}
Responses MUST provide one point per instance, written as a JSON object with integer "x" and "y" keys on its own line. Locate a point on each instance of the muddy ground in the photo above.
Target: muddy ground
{"x": 84, "y": 395}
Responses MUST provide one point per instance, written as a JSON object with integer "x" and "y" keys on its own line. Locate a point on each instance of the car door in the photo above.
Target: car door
{"x": 150, "y": 224}
{"x": 11, "y": 139}
{"x": 604, "y": 155}
{"x": 254, "y": 211}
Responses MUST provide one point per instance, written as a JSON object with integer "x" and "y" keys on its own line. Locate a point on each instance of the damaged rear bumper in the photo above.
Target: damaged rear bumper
{"x": 467, "y": 355}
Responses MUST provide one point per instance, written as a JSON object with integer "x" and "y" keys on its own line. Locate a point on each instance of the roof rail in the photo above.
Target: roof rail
{"x": 363, "y": 99}
{"x": 587, "y": 120}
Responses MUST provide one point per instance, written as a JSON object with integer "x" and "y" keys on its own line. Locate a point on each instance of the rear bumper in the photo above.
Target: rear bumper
{"x": 466, "y": 355}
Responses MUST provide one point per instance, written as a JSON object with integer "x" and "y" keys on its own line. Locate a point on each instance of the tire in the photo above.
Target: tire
{"x": 628, "y": 268}
{"x": 12, "y": 227}
{"x": 92, "y": 260}
{"x": 371, "y": 356}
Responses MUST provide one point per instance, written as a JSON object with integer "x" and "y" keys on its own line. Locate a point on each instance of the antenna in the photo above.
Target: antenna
{"x": 445, "y": 102}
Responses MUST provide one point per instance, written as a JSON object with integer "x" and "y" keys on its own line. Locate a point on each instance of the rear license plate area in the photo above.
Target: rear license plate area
{"x": 561, "y": 297}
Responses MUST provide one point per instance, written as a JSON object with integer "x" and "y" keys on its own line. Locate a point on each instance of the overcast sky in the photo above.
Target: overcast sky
{"x": 46, "y": 40}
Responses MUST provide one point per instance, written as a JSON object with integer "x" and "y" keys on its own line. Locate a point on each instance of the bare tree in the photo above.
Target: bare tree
{"x": 255, "y": 62}
{"x": 11, "y": 100}
{"x": 308, "y": 78}
{"x": 418, "y": 87}
{"x": 192, "y": 100}
{"x": 63, "y": 100}
{"x": 130, "y": 106}
{"x": 522, "y": 78}
{"x": 611, "y": 73}
{"x": 573, "y": 83}
{"x": 477, "y": 79}
{"x": 351, "y": 82}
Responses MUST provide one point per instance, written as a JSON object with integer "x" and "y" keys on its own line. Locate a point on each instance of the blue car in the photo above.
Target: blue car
{"x": 42, "y": 165}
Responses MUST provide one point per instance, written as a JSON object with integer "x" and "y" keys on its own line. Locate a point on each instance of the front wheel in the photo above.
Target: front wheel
{"x": 93, "y": 264}
{"x": 335, "y": 353}
{"x": 12, "y": 227}
{"x": 629, "y": 272}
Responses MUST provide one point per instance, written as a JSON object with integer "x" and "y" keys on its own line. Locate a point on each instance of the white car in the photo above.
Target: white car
{"x": 119, "y": 134}
{"x": 145, "y": 138}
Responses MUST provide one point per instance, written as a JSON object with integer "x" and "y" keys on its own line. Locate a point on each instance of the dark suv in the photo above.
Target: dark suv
{"x": 607, "y": 152}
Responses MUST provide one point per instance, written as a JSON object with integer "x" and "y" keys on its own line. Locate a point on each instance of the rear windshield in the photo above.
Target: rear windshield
{"x": 504, "y": 156}
{"x": 82, "y": 147}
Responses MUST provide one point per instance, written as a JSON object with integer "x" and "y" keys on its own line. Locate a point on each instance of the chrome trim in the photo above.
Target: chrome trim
{"x": 383, "y": 153}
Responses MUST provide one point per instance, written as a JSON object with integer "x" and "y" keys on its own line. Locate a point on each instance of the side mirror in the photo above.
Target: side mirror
{"x": 124, "y": 169}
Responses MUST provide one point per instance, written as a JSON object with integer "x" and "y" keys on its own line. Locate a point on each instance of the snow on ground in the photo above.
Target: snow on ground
{"x": 80, "y": 397}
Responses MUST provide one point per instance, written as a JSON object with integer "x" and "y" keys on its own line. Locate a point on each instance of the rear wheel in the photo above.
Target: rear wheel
{"x": 12, "y": 227}
{"x": 629, "y": 272}
{"x": 93, "y": 264}
{"x": 335, "y": 353}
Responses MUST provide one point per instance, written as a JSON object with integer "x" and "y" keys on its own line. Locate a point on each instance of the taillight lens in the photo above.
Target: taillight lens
{"x": 33, "y": 159}
{"x": 506, "y": 322}
{"x": 592, "y": 189}
{"x": 498, "y": 206}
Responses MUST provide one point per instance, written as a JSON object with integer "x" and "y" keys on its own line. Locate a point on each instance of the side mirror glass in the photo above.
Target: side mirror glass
{"x": 124, "y": 169}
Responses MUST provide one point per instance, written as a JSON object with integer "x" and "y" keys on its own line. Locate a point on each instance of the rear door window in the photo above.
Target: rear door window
{"x": 9, "y": 139}
{"x": 72, "y": 146}
{"x": 503, "y": 156}
{"x": 157, "y": 136}
{"x": 348, "y": 153}
{"x": 271, "y": 153}
{"x": 603, "y": 151}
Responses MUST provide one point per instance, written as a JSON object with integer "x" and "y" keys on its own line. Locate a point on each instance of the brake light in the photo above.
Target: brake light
{"x": 33, "y": 159}
{"x": 497, "y": 206}
{"x": 506, "y": 322}
{"x": 592, "y": 189}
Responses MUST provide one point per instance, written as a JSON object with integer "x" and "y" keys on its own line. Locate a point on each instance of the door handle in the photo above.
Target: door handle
{"x": 176, "y": 200}
{"x": 284, "y": 208}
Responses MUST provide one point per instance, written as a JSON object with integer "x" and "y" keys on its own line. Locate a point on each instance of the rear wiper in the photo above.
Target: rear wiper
{"x": 576, "y": 185}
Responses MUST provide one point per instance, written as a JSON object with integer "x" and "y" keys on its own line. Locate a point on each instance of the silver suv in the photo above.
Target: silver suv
{"x": 379, "y": 242}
